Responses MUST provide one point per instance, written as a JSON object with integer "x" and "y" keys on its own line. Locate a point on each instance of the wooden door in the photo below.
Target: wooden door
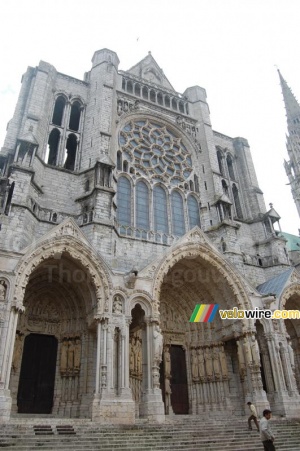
{"x": 37, "y": 376}
{"x": 179, "y": 388}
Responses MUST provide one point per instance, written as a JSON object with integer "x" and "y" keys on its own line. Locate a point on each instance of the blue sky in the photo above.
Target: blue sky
{"x": 229, "y": 47}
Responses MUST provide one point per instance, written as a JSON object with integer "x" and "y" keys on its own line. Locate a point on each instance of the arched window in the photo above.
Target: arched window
{"x": 230, "y": 167}
{"x": 178, "y": 226}
{"x": 152, "y": 96}
{"x": 70, "y": 155}
{"x": 129, "y": 87}
{"x": 75, "y": 116}
{"x": 145, "y": 93}
{"x": 142, "y": 206}
{"x": 237, "y": 203}
{"x": 58, "y": 111}
{"x": 160, "y": 98}
{"x": 124, "y": 201}
{"x": 52, "y": 151}
{"x": 174, "y": 104}
{"x": 160, "y": 210}
{"x": 137, "y": 90}
{"x": 220, "y": 162}
{"x": 181, "y": 107}
{"x": 193, "y": 209}
{"x": 167, "y": 102}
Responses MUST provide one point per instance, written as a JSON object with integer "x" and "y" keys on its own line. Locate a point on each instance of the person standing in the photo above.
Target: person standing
{"x": 266, "y": 434}
{"x": 253, "y": 416}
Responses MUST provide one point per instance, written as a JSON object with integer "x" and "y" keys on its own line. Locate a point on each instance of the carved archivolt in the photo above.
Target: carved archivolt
{"x": 206, "y": 253}
{"x": 3, "y": 290}
{"x": 97, "y": 273}
{"x": 290, "y": 291}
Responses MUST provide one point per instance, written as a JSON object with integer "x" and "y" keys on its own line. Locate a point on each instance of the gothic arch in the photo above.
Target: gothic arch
{"x": 194, "y": 249}
{"x": 95, "y": 268}
{"x": 144, "y": 300}
{"x": 291, "y": 290}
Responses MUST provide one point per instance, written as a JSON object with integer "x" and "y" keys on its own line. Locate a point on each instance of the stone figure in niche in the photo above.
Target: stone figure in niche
{"x": 201, "y": 369}
{"x": 167, "y": 362}
{"x": 64, "y": 357}
{"x": 2, "y": 290}
{"x": 194, "y": 359}
{"x": 216, "y": 365}
{"x": 157, "y": 344}
{"x": 247, "y": 350}
{"x": 168, "y": 393}
{"x": 255, "y": 350}
{"x": 71, "y": 352}
{"x": 208, "y": 361}
{"x": 117, "y": 305}
{"x": 241, "y": 359}
{"x": 223, "y": 362}
{"x": 291, "y": 354}
{"x": 17, "y": 352}
{"x": 77, "y": 355}
{"x": 131, "y": 362}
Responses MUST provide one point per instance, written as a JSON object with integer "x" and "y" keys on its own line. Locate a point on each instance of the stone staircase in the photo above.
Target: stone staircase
{"x": 178, "y": 433}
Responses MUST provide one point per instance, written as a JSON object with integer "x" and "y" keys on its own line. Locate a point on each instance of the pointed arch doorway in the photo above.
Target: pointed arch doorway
{"x": 37, "y": 377}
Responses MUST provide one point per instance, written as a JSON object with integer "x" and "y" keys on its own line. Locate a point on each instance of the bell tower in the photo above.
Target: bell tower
{"x": 292, "y": 166}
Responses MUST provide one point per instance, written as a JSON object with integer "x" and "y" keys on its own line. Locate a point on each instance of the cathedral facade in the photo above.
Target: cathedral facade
{"x": 121, "y": 210}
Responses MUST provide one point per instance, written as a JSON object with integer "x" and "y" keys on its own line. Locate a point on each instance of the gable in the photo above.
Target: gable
{"x": 149, "y": 70}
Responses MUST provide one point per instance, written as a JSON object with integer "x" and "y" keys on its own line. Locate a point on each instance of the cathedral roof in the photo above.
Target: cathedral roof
{"x": 276, "y": 284}
{"x": 149, "y": 70}
{"x": 293, "y": 241}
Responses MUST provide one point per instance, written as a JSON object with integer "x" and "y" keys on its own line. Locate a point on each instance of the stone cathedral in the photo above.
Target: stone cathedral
{"x": 121, "y": 210}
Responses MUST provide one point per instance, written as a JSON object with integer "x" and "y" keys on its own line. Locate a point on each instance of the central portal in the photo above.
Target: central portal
{"x": 37, "y": 377}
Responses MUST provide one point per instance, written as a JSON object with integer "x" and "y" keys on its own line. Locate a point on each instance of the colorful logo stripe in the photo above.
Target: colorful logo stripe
{"x": 204, "y": 313}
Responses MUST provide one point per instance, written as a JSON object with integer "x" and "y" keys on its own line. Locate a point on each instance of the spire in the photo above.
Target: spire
{"x": 291, "y": 104}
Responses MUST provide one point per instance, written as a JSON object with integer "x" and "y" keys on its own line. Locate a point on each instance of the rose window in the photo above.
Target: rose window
{"x": 155, "y": 151}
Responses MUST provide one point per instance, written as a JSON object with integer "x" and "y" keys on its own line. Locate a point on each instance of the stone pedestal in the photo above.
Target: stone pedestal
{"x": 5, "y": 405}
{"x": 112, "y": 409}
{"x": 152, "y": 406}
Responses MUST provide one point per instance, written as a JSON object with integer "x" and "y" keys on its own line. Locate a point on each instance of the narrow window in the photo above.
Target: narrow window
{"x": 237, "y": 203}
{"x": 152, "y": 96}
{"x": 145, "y": 93}
{"x": 142, "y": 206}
{"x": 137, "y": 90}
{"x": 160, "y": 98}
{"x": 178, "y": 227}
{"x": 174, "y": 104}
{"x": 225, "y": 187}
{"x": 123, "y": 84}
{"x": 196, "y": 180}
{"x": 167, "y": 102}
{"x": 75, "y": 116}
{"x": 220, "y": 162}
{"x": 129, "y": 87}
{"x": 160, "y": 210}
{"x": 181, "y": 107}
{"x": 192, "y": 185}
{"x": 58, "y": 111}
{"x": 125, "y": 166}
{"x": 124, "y": 201}
{"x": 52, "y": 150}
{"x": 230, "y": 167}
{"x": 119, "y": 160}
{"x": 70, "y": 155}
{"x": 9, "y": 198}
{"x": 193, "y": 209}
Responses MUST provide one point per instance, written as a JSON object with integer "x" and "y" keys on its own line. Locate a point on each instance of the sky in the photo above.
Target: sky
{"x": 232, "y": 48}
